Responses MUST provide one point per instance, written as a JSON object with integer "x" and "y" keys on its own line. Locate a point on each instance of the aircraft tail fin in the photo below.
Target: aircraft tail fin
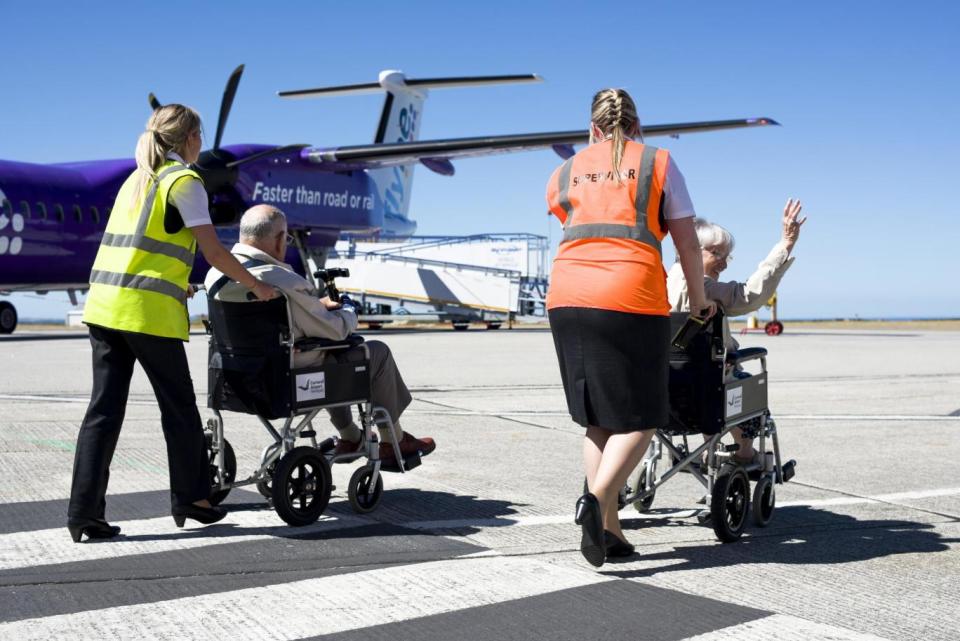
{"x": 400, "y": 123}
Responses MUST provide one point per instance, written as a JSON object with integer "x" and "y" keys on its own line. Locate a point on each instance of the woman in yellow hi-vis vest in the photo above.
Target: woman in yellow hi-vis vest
{"x": 136, "y": 311}
{"x": 617, "y": 200}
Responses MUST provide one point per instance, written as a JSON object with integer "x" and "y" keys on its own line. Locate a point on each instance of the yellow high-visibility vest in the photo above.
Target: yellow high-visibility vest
{"x": 139, "y": 278}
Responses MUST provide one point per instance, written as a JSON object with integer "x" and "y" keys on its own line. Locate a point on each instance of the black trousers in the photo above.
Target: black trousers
{"x": 165, "y": 362}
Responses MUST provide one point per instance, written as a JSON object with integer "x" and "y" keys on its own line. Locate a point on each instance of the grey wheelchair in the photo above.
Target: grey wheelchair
{"x": 251, "y": 370}
{"x": 703, "y": 400}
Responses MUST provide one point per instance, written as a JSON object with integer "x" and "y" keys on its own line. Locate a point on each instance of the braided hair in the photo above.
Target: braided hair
{"x": 615, "y": 115}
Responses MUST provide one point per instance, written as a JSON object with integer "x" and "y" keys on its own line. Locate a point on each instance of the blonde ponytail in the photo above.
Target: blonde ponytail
{"x": 615, "y": 115}
{"x": 167, "y": 130}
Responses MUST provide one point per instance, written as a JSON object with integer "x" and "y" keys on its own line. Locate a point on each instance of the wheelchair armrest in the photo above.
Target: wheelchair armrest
{"x": 315, "y": 343}
{"x": 746, "y": 354}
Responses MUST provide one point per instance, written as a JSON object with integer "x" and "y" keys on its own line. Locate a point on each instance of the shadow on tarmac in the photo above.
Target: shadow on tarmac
{"x": 812, "y": 537}
{"x": 397, "y": 507}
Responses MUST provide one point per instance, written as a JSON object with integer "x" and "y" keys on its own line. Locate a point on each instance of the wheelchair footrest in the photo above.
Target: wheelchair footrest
{"x": 789, "y": 469}
{"x": 409, "y": 463}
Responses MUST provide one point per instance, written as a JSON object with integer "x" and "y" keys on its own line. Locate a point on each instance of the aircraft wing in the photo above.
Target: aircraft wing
{"x": 437, "y": 154}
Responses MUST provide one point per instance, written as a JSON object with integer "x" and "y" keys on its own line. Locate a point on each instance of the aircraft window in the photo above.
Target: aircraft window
{"x": 25, "y": 208}
{"x": 59, "y": 209}
{"x": 78, "y": 213}
{"x": 42, "y": 209}
{"x": 95, "y": 214}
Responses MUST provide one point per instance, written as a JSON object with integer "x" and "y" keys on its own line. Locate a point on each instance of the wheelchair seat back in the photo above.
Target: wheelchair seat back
{"x": 249, "y": 367}
{"x": 249, "y": 358}
{"x": 696, "y": 379}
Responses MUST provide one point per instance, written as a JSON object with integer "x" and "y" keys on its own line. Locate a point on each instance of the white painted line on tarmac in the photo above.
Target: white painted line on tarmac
{"x": 316, "y": 606}
{"x": 528, "y": 413}
{"x": 62, "y": 399}
{"x": 559, "y": 519}
{"x": 781, "y": 627}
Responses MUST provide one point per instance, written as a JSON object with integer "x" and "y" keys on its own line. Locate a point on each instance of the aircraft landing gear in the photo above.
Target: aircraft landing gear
{"x": 8, "y": 318}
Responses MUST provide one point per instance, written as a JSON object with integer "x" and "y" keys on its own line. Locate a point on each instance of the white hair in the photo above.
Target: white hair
{"x": 260, "y": 223}
{"x": 713, "y": 235}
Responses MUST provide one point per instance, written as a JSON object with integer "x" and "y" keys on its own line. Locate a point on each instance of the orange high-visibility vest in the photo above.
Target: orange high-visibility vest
{"x": 610, "y": 257}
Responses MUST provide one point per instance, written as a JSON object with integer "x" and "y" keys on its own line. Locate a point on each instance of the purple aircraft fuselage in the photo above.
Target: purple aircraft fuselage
{"x": 53, "y": 216}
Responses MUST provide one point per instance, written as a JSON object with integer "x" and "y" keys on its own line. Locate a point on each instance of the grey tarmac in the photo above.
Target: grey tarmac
{"x": 478, "y": 542}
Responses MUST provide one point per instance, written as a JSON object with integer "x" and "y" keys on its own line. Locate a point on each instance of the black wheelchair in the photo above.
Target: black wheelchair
{"x": 705, "y": 400}
{"x": 251, "y": 370}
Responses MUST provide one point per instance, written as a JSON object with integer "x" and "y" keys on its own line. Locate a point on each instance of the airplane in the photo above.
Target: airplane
{"x": 52, "y": 216}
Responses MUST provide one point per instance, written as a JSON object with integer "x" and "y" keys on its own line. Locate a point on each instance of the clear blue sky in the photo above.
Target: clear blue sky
{"x": 867, "y": 93}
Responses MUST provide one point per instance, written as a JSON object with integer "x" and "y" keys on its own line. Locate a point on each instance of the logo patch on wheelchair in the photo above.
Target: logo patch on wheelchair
{"x": 311, "y": 387}
{"x": 734, "y": 401}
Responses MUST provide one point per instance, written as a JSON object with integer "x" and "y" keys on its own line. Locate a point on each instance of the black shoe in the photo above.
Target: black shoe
{"x": 588, "y": 517}
{"x": 93, "y": 528}
{"x": 616, "y": 547}
{"x": 205, "y": 515}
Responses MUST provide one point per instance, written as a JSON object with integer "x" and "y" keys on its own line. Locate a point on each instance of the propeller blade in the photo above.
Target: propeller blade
{"x": 227, "y": 103}
{"x": 154, "y": 103}
{"x": 264, "y": 154}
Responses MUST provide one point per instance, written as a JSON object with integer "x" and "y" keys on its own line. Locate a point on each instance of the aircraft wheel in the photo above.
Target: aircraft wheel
{"x": 764, "y": 500}
{"x": 374, "y": 325}
{"x": 773, "y": 328}
{"x": 8, "y": 318}
{"x": 229, "y": 469}
{"x": 301, "y": 486}
{"x": 493, "y": 325}
{"x": 461, "y": 326}
{"x": 729, "y": 504}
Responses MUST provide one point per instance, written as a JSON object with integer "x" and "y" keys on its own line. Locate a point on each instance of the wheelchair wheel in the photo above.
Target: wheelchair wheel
{"x": 621, "y": 495}
{"x": 729, "y": 504}
{"x": 301, "y": 486}
{"x": 362, "y": 497}
{"x": 265, "y": 486}
{"x": 229, "y": 468}
{"x": 640, "y": 483}
{"x": 764, "y": 500}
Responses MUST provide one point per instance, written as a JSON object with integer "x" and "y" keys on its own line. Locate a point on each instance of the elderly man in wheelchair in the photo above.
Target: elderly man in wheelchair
{"x": 705, "y": 401}
{"x": 289, "y": 359}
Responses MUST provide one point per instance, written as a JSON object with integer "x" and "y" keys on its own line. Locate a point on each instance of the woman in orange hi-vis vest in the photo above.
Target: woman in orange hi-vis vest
{"x": 607, "y": 302}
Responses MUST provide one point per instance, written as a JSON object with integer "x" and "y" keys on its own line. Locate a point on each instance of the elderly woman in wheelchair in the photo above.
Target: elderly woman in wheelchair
{"x": 703, "y": 400}
{"x": 734, "y": 297}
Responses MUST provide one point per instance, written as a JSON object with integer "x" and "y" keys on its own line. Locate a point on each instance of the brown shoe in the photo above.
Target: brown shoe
{"x": 409, "y": 445}
{"x": 346, "y": 447}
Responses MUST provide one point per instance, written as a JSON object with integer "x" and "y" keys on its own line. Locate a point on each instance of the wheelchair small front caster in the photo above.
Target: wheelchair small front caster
{"x": 301, "y": 486}
{"x": 640, "y": 484}
{"x": 363, "y": 498}
{"x": 730, "y": 503}
{"x": 229, "y": 469}
{"x": 764, "y": 500}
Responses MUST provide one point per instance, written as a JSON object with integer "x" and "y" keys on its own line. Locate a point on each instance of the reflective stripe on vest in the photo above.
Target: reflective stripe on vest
{"x": 639, "y": 232}
{"x": 140, "y": 276}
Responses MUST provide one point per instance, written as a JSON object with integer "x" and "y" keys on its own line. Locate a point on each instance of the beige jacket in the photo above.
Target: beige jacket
{"x": 310, "y": 317}
{"x": 734, "y": 297}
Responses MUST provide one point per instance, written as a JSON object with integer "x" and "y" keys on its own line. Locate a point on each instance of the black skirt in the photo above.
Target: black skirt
{"x": 614, "y": 366}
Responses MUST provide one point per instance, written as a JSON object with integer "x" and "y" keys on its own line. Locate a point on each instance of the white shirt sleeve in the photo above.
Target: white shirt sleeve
{"x": 676, "y": 199}
{"x": 190, "y": 198}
